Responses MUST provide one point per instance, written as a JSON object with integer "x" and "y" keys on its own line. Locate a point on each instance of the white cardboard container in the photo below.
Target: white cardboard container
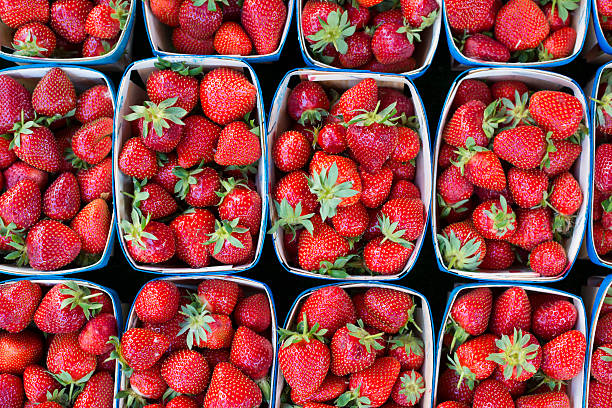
{"x": 422, "y": 317}
{"x": 116, "y": 60}
{"x": 250, "y": 286}
{"x": 159, "y": 36}
{"x": 279, "y": 121}
{"x": 537, "y": 80}
{"x": 575, "y": 385}
{"x": 423, "y": 54}
{"x": 131, "y": 93}
{"x": 49, "y": 282}
{"x": 596, "y": 50}
{"x": 83, "y": 79}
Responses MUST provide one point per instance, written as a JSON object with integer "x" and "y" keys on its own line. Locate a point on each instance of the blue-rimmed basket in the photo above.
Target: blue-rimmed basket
{"x": 83, "y": 79}
{"x": 115, "y": 60}
{"x": 422, "y": 316}
{"x": 575, "y": 386}
{"x": 536, "y": 80}
{"x": 249, "y": 287}
{"x": 423, "y": 54}
{"x": 279, "y": 122}
{"x": 597, "y": 49}
{"x": 131, "y": 93}
{"x": 159, "y": 36}
{"x": 580, "y": 21}
{"x": 48, "y": 282}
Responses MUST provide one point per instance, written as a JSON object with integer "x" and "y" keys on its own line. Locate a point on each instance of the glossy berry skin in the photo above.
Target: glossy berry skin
{"x": 18, "y": 302}
{"x": 251, "y": 353}
{"x": 534, "y": 226}
{"x": 97, "y": 181}
{"x": 253, "y": 312}
{"x": 599, "y": 394}
{"x": 484, "y": 48}
{"x": 294, "y": 188}
{"x": 94, "y": 103}
{"x": 473, "y": 353}
{"x": 323, "y": 245}
{"x": 306, "y": 96}
{"x": 264, "y": 22}
{"x": 230, "y": 386}
{"x": 492, "y": 390}
{"x": 231, "y": 39}
{"x": 94, "y": 336}
{"x": 99, "y": 392}
{"x": 92, "y": 224}
{"x": 157, "y": 302}
{"x": 511, "y": 310}
{"x": 68, "y": 19}
{"x": 198, "y": 21}
{"x": 14, "y": 98}
{"x": 521, "y": 25}
{"x": 474, "y": 17}
{"x": 331, "y": 307}
{"x": 11, "y": 391}
{"x": 472, "y": 309}
{"x": 64, "y": 354}
{"x": 190, "y": 229}
{"x": 186, "y": 44}
{"x": 186, "y": 371}
{"x": 563, "y": 357}
{"x": 601, "y": 368}
{"x": 37, "y": 382}
{"x": 19, "y": 350}
{"x": 389, "y": 46}
{"x": 229, "y": 88}
{"x": 548, "y": 259}
{"x": 291, "y": 151}
{"x": 44, "y": 45}
{"x": 566, "y": 196}
{"x": 21, "y": 204}
{"x": 523, "y": 146}
{"x": 556, "y": 399}
{"x": 553, "y": 318}
{"x": 359, "y": 50}
{"x": 603, "y": 168}
{"x": 408, "y": 213}
{"x": 556, "y": 112}
{"x": 154, "y": 251}
{"x": 386, "y": 258}
{"x": 499, "y": 256}
{"x": 165, "y": 84}
{"x": 51, "y": 245}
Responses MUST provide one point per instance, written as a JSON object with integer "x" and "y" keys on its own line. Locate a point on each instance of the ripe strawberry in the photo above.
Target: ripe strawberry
{"x": 393, "y": 42}
{"x": 519, "y": 357}
{"x": 452, "y": 404}
{"x": 148, "y": 383}
{"x": 556, "y": 399}
{"x": 320, "y": 250}
{"x": 197, "y": 187}
{"x": 389, "y": 253}
{"x": 66, "y": 307}
{"x": 499, "y": 256}
{"x": 408, "y": 350}
{"x": 376, "y": 187}
{"x": 231, "y": 39}
{"x": 523, "y": 146}
{"x": 511, "y": 310}
{"x": 198, "y": 142}
{"x": 140, "y": 349}
{"x": 508, "y": 89}
{"x": 17, "y": 13}
{"x": 186, "y": 44}
{"x": 96, "y": 47}
{"x": 472, "y": 18}
{"x": 99, "y": 392}
{"x": 171, "y": 329}
{"x": 16, "y": 101}
{"x": 600, "y": 395}
{"x": 294, "y": 188}
{"x": 106, "y": 21}
{"x": 389, "y": 310}
{"x": 94, "y": 103}
{"x": 148, "y": 241}
{"x": 136, "y": 160}
{"x": 217, "y": 328}
{"x": 229, "y": 385}
{"x": 174, "y": 81}
{"x": 21, "y": 204}
{"x": 198, "y": 19}
{"x": 471, "y": 90}
{"x": 409, "y": 215}
{"x": 351, "y": 221}
{"x": 19, "y": 350}
{"x": 566, "y": 194}
{"x": 93, "y": 141}
{"x": 473, "y": 120}
{"x": 313, "y": 13}
{"x": 408, "y": 389}
{"x": 603, "y": 332}
{"x": 374, "y": 383}
{"x": 404, "y": 189}
{"x": 470, "y": 313}
{"x": 230, "y": 243}
{"x": 219, "y": 296}
{"x": 157, "y": 302}
{"x": 521, "y": 25}
{"x": 471, "y": 361}
{"x": 160, "y": 126}
{"x": 601, "y": 364}
{"x": 363, "y": 95}
{"x": 253, "y": 312}
{"x": 97, "y": 181}
{"x": 50, "y": 245}
{"x": 562, "y": 159}
{"x": 190, "y": 229}
{"x": 534, "y": 227}
{"x": 553, "y": 14}
{"x": 331, "y": 388}
{"x": 251, "y": 353}
{"x": 68, "y": 19}
{"x": 238, "y": 145}
{"x": 548, "y": 259}
{"x": 603, "y": 161}
{"x": 11, "y": 391}
{"x": 186, "y": 372}
{"x": 559, "y": 44}
{"x": 96, "y": 333}
{"x": 18, "y": 302}
{"x": 453, "y": 187}
{"x": 418, "y": 12}
{"x": 34, "y": 40}
{"x": 230, "y": 89}
{"x": 64, "y": 354}
{"x": 451, "y": 388}
{"x": 484, "y": 48}
{"x": 308, "y": 103}
{"x": 264, "y": 22}
{"x": 481, "y": 167}
{"x": 152, "y": 200}
{"x": 37, "y": 382}
{"x": 183, "y": 401}
{"x": 461, "y": 246}
{"x": 563, "y": 356}
{"x": 62, "y": 199}
{"x": 166, "y": 11}
{"x": 489, "y": 391}
{"x": 353, "y": 349}
{"x": 556, "y": 112}
{"x": 494, "y": 219}
{"x": 330, "y": 307}
{"x": 551, "y": 319}
{"x": 240, "y": 202}
{"x": 54, "y": 94}
{"x": 528, "y": 187}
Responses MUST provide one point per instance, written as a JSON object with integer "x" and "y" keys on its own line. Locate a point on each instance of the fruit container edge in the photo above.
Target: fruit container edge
{"x": 575, "y": 386}
{"x": 124, "y": 100}
{"x": 116, "y": 60}
{"x": 597, "y": 49}
{"x": 160, "y": 43}
{"x": 582, "y": 171}
{"x": 278, "y": 118}
{"x": 593, "y": 88}
{"x": 431, "y": 37}
{"x": 80, "y": 77}
{"x": 580, "y": 24}
{"x": 423, "y": 318}
{"x": 194, "y": 280}
{"x": 50, "y": 281}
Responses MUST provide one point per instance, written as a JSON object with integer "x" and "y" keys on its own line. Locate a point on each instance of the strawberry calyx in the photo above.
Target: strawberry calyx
{"x": 75, "y": 160}
{"x": 131, "y": 398}
{"x": 563, "y": 7}
{"x": 412, "y": 387}
{"x": 608, "y": 357}
{"x": 366, "y": 339}
{"x": 465, "y": 154}
{"x": 80, "y": 296}
{"x": 291, "y": 219}
{"x": 223, "y": 232}
{"x": 312, "y": 116}
{"x": 212, "y": 4}
{"x": 333, "y": 31}
{"x": 265, "y": 387}
{"x": 447, "y": 208}
{"x": 412, "y": 33}
{"x": 228, "y": 186}
{"x": 550, "y": 148}
{"x": 516, "y": 354}
{"x": 138, "y": 196}
{"x": 252, "y": 124}
{"x": 85, "y": 259}
{"x": 410, "y": 321}
{"x": 353, "y": 398}
{"x": 196, "y": 323}
{"x": 135, "y": 230}
{"x": 120, "y": 12}
{"x": 245, "y": 171}
{"x": 74, "y": 387}
{"x": 604, "y": 105}
{"x": 464, "y": 372}
{"x": 387, "y": 116}
{"x": 21, "y": 127}
{"x": 541, "y": 379}
{"x": 338, "y": 268}
{"x": 503, "y": 221}
{"x": 170, "y": 394}
{"x": 157, "y": 115}
{"x": 28, "y": 47}
{"x": 329, "y": 193}
{"x": 410, "y": 343}
{"x": 562, "y": 226}
{"x": 302, "y": 333}
{"x": 544, "y": 54}
{"x": 186, "y": 179}
{"x": 19, "y": 254}
{"x": 59, "y": 395}
{"x": 116, "y": 354}
{"x": 460, "y": 336}
{"x": 179, "y": 67}
{"x": 391, "y": 233}
{"x": 516, "y": 112}
{"x": 491, "y": 118}
{"x": 460, "y": 256}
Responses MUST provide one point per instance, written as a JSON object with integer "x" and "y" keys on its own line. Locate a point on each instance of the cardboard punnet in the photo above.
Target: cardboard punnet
{"x": 131, "y": 92}
{"x": 536, "y": 80}
{"x": 279, "y": 121}
{"x": 597, "y": 49}
{"x": 422, "y": 317}
{"x": 48, "y": 282}
{"x": 423, "y": 54}
{"x": 115, "y": 60}
{"x": 159, "y": 36}
{"x": 575, "y": 386}
{"x": 83, "y": 79}
{"x": 249, "y": 287}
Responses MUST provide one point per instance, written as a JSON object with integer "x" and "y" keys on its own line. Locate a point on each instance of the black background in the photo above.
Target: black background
{"x": 424, "y": 277}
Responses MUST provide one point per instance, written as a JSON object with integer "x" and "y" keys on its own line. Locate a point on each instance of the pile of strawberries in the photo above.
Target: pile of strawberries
{"x": 54, "y": 350}
{"x": 361, "y": 350}
{"x": 194, "y": 195}
{"x": 344, "y": 193}
{"x": 517, "y": 31}
{"x": 604, "y": 11}
{"x": 508, "y": 349}
{"x": 209, "y": 348}
{"x": 65, "y": 28}
{"x": 56, "y": 173}
{"x": 367, "y": 34}
{"x": 226, "y": 27}
{"x": 600, "y": 384}
{"x": 505, "y": 190}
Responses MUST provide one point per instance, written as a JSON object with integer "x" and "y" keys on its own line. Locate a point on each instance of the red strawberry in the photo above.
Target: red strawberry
{"x": 472, "y": 18}
{"x": 556, "y": 399}
{"x": 136, "y": 160}
{"x": 603, "y": 333}
{"x": 548, "y": 259}
{"x": 470, "y": 313}
{"x": 553, "y": 14}
{"x": 50, "y": 245}
{"x": 563, "y": 356}
{"x": 253, "y": 312}
{"x": 231, "y": 243}
{"x": 198, "y": 142}
{"x": 511, "y": 310}
{"x": 390, "y": 253}
{"x": 408, "y": 389}
{"x": 556, "y": 112}
{"x": 453, "y": 187}
{"x": 291, "y": 151}
{"x": 190, "y": 229}
{"x": 230, "y": 89}
{"x": 95, "y": 47}
{"x": 363, "y": 95}
{"x": 374, "y": 383}
{"x": 54, "y": 94}
{"x": 251, "y": 353}
{"x": 183, "y": 401}
{"x": 94, "y": 103}
{"x": 521, "y": 25}
{"x": 96, "y": 333}
{"x": 471, "y": 90}
{"x": 171, "y": 329}
{"x": 19, "y": 350}
{"x": 186, "y": 44}
{"x": 197, "y": 187}
{"x": 452, "y": 404}
{"x": 152, "y": 199}
{"x": 508, "y": 89}
{"x": 408, "y": 350}
{"x": 140, "y": 242}
{"x": 331, "y": 388}
{"x": 240, "y": 202}
{"x": 393, "y": 42}
{"x": 16, "y": 101}
{"x": 560, "y": 44}
{"x": 37, "y": 382}
{"x": 230, "y": 386}
{"x": 21, "y": 204}
{"x": 489, "y": 391}
{"x": 199, "y": 20}
{"x": 231, "y": 39}
{"x": 97, "y": 181}
{"x": 409, "y": 215}
{"x": 526, "y": 347}
{"x": 106, "y": 21}
{"x": 92, "y": 142}
{"x": 219, "y": 296}
{"x": 319, "y": 251}
{"x": 148, "y": 383}
{"x": 174, "y": 81}
{"x": 19, "y": 171}
{"x": 238, "y": 145}
{"x": 603, "y": 161}
{"x": 389, "y": 309}
{"x": 92, "y": 224}
{"x": 68, "y": 19}
{"x": 499, "y": 256}
{"x": 376, "y": 187}
{"x": 471, "y": 359}
{"x": 186, "y": 372}
{"x": 313, "y": 13}
{"x": 166, "y": 11}
{"x": 18, "y": 302}
{"x": 20, "y": 12}
{"x": 404, "y": 189}
{"x": 461, "y": 246}
{"x": 600, "y": 395}
{"x": 551, "y": 319}
{"x": 417, "y": 12}
{"x": 351, "y": 221}
{"x": 34, "y": 40}
{"x": 473, "y": 120}
{"x": 294, "y": 189}
{"x": 64, "y": 354}
{"x": 566, "y": 194}
{"x": 484, "y": 48}
{"x": 330, "y": 307}
{"x": 494, "y": 219}
{"x": 99, "y": 392}
{"x": 62, "y": 199}
{"x": 307, "y": 103}
{"x": 140, "y": 348}
{"x": 481, "y": 167}
{"x": 353, "y": 349}
{"x": 11, "y": 391}
{"x": 157, "y": 302}
{"x": 601, "y": 366}
{"x": 523, "y": 146}
{"x": 264, "y": 21}
{"x": 562, "y": 158}
{"x": 534, "y": 226}
{"x": 451, "y": 388}
{"x": 528, "y": 187}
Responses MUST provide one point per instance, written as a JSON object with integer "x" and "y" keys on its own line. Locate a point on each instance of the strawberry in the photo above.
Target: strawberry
{"x": 330, "y": 33}
{"x": 603, "y": 160}
{"x": 166, "y": 11}
{"x": 315, "y": 12}
{"x": 321, "y": 250}
{"x": 62, "y": 199}
{"x": 66, "y": 307}
{"x": 34, "y": 40}
{"x": 330, "y": 307}
{"x": 472, "y": 18}
{"x": 489, "y": 391}
{"x": 94, "y": 336}
{"x": 521, "y": 25}
{"x": 566, "y": 194}
{"x": 230, "y": 89}
{"x": 186, "y": 44}
{"x": 94, "y": 103}
{"x": 157, "y": 302}
{"x": 65, "y": 355}
{"x": 452, "y": 404}
{"x": 374, "y": 383}
{"x": 19, "y": 350}
{"x": 528, "y": 187}
{"x": 563, "y": 357}
{"x": 238, "y": 145}
{"x": 453, "y": 187}
{"x": 404, "y": 189}
{"x": 264, "y": 22}
{"x": 186, "y": 372}
{"x": 450, "y": 388}
{"x": 174, "y": 80}
{"x": 601, "y": 364}
{"x": 97, "y": 181}
{"x": 560, "y": 44}
{"x": 96, "y": 47}
{"x": 472, "y": 90}
{"x": 7, "y": 155}
{"x": 16, "y": 100}
{"x": 553, "y": 14}
{"x": 37, "y": 382}
{"x": 331, "y": 388}
{"x": 376, "y": 187}
{"x": 519, "y": 356}
{"x": 231, "y": 39}
{"x": 253, "y": 313}
{"x": 93, "y": 141}
{"x": 11, "y": 391}
{"x": 106, "y": 21}
{"x": 470, "y": 313}
{"x": 508, "y": 89}
{"x": 461, "y": 246}
{"x": 307, "y": 103}
{"x": 351, "y": 221}
{"x": 291, "y": 151}
{"x": 230, "y": 243}
{"x": 471, "y": 361}
{"x": 484, "y": 48}
{"x": 152, "y": 200}
{"x": 390, "y": 310}
{"x": 18, "y": 302}
{"x": 389, "y": 253}
{"x": 230, "y": 386}
{"x": 473, "y": 120}
{"x": 499, "y": 256}
{"x": 494, "y": 219}
{"x": 556, "y": 399}
{"x": 393, "y": 42}
{"x": 197, "y": 187}
{"x": 600, "y": 395}
{"x": 198, "y": 142}
{"x": 556, "y": 112}
{"x": 548, "y": 259}
{"x": 516, "y": 388}
{"x": 294, "y": 189}
{"x": 481, "y": 167}
{"x": 19, "y": 171}
{"x": 17, "y": 13}
{"x": 190, "y": 229}
{"x": 50, "y": 245}
{"x": 219, "y": 296}
{"x": 408, "y": 350}
{"x": 534, "y": 226}
{"x": 240, "y": 202}
{"x": 511, "y": 310}
{"x": 183, "y": 401}
{"x": 603, "y": 334}
{"x": 165, "y": 176}
{"x": 21, "y": 204}
{"x": 417, "y": 12}
{"x": 358, "y": 52}
{"x": 36, "y": 145}
{"x": 353, "y": 349}
{"x": 160, "y": 126}
{"x": 358, "y": 16}
{"x": 251, "y": 353}
{"x": 54, "y": 94}
{"x": 148, "y": 383}
{"x": 140, "y": 349}
{"x": 148, "y": 241}
{"x": 523, "y": 146}
{"x": 363, "y": 95}
{"x": 408, "y": 389}
{"x": 198, "y": 19}
{"x": 68, "y": 19}
{"x": 99, "y": 392}
{"x": 387, "y": 16}
{"x": 206, "y": 330}
{"x": 171, "y": 329}
{"x": 409, "y": 215}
